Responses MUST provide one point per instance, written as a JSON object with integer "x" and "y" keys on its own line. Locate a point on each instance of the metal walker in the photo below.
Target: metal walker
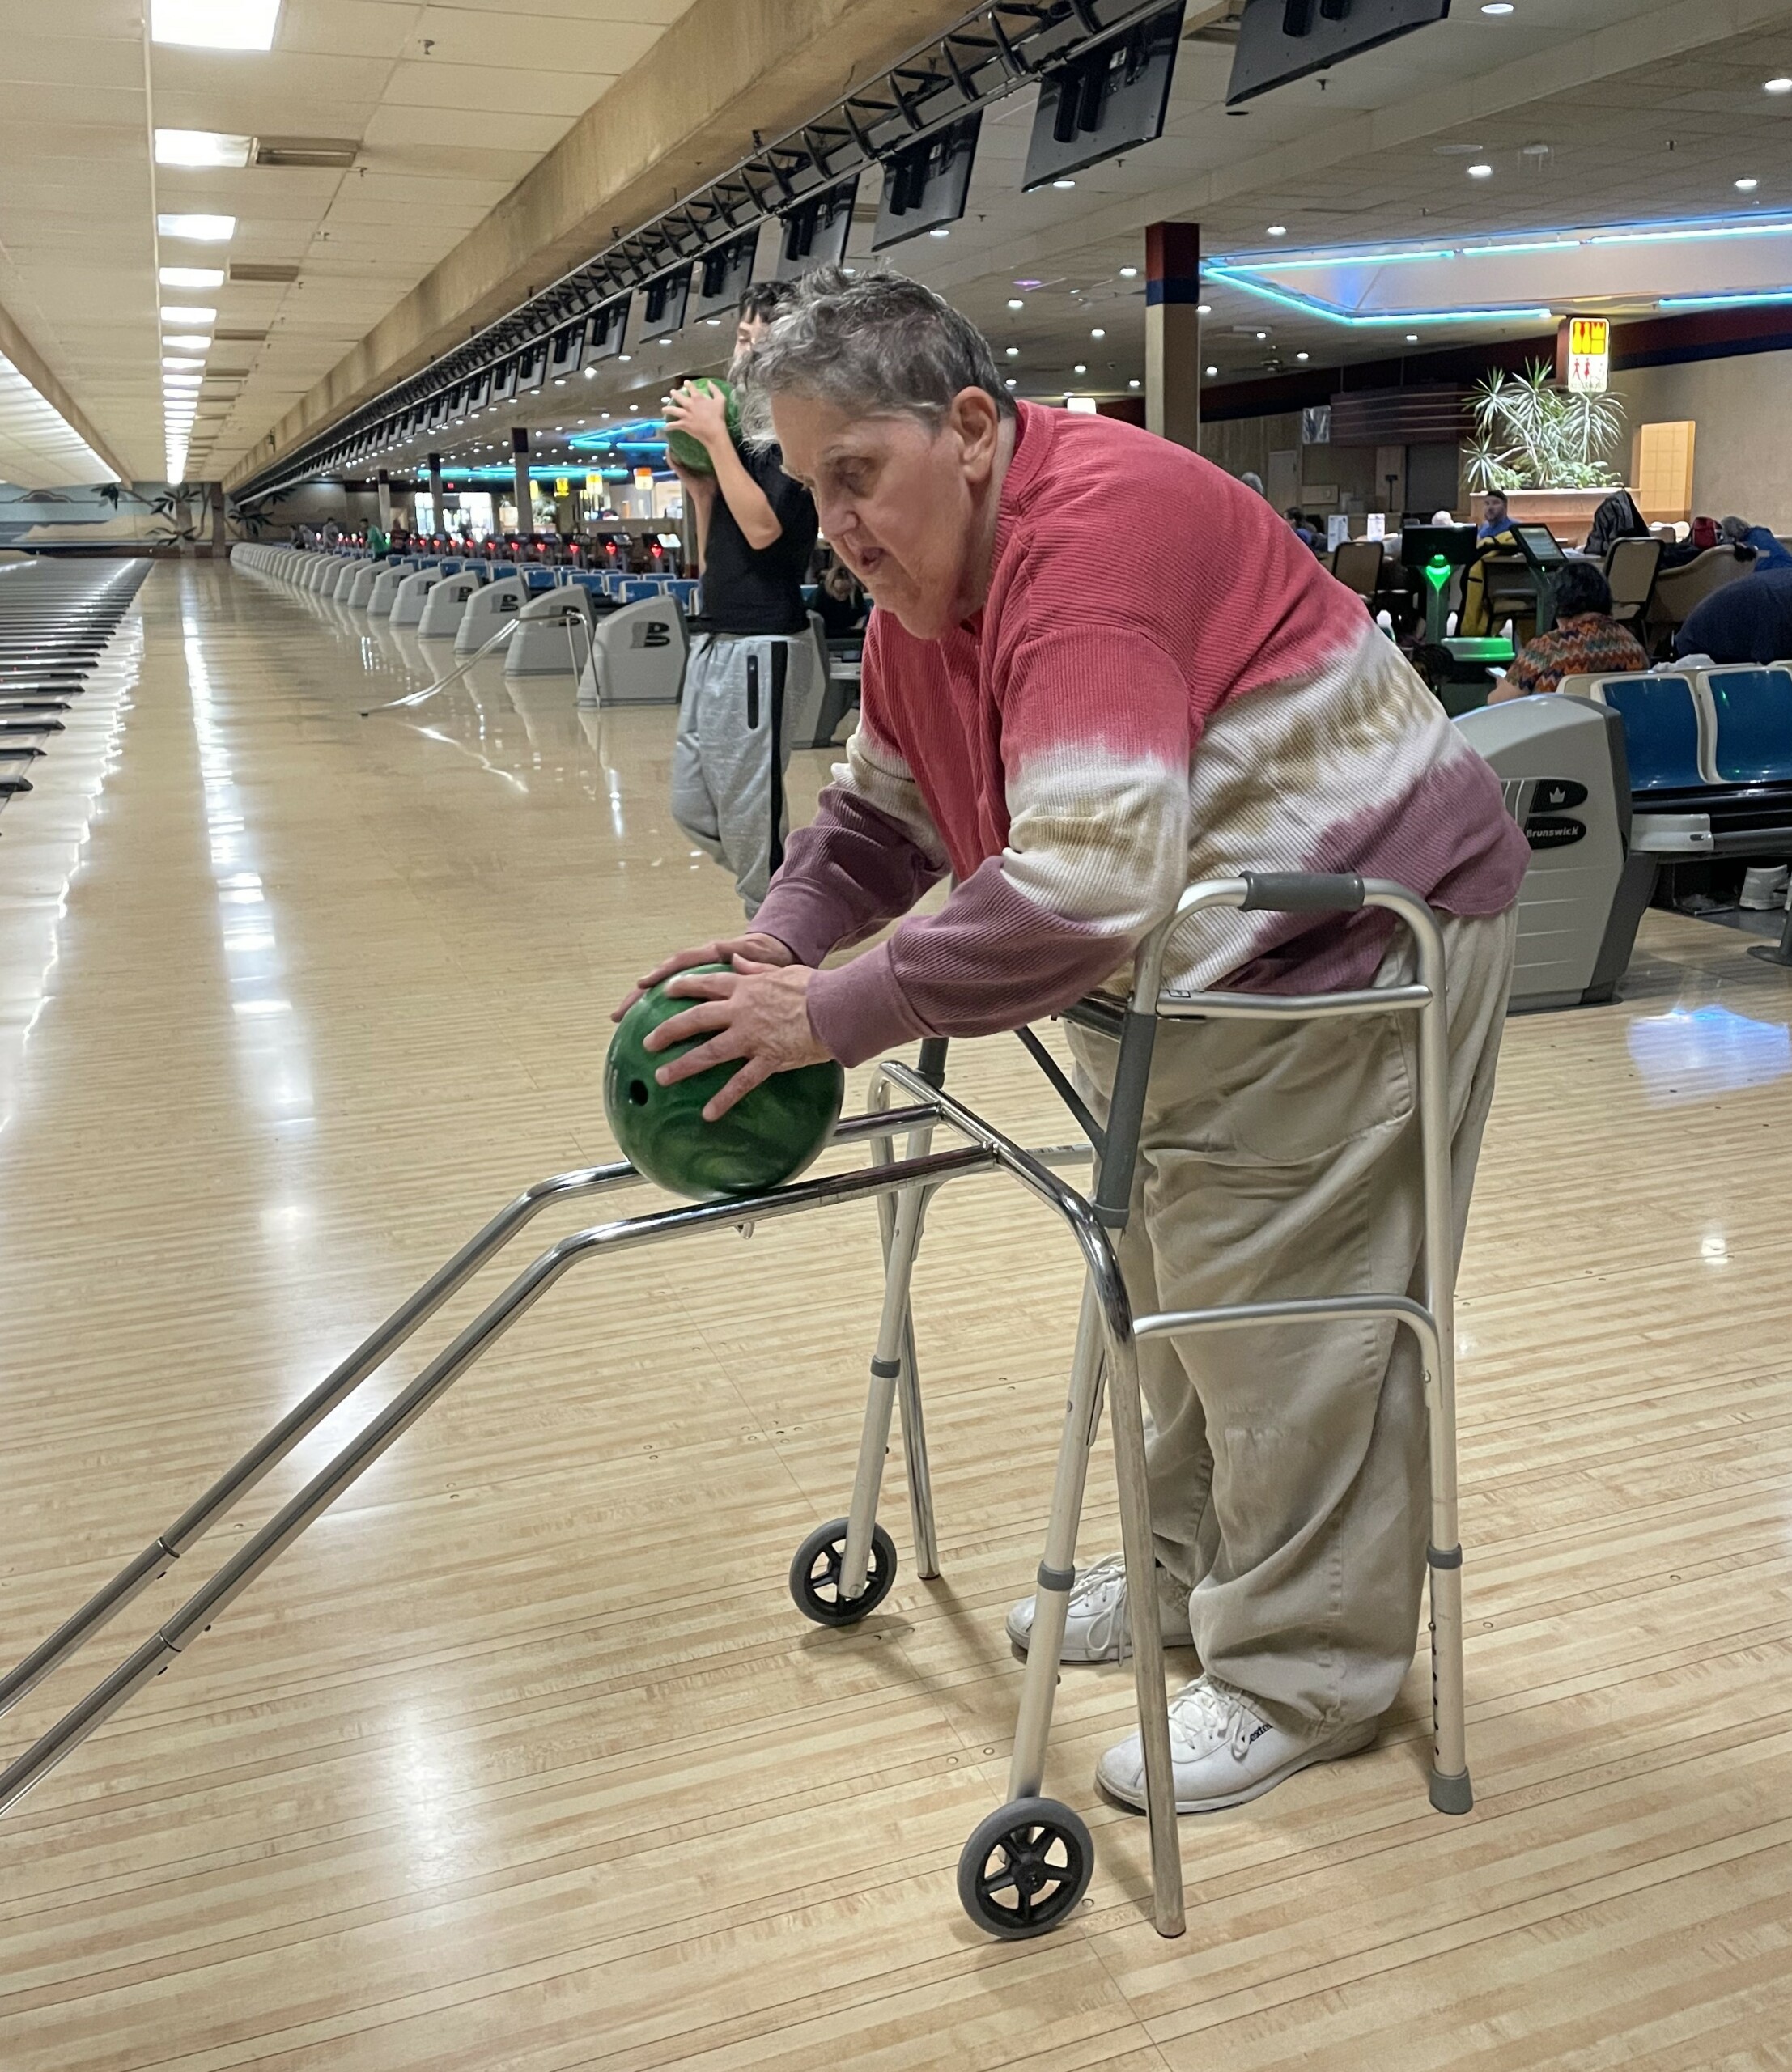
{"x": 1025, "y": 1868}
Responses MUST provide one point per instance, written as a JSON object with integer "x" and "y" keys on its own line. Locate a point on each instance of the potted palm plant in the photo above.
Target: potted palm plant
{"x": 1545, "y": 449}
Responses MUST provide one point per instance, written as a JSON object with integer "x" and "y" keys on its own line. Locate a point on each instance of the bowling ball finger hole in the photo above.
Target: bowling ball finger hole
{"x": 638, "y": 1093}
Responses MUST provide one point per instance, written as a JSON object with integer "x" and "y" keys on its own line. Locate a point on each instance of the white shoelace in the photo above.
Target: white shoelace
{"x": 1100, "y": 1596}
{"x": 1205, "y": 1718}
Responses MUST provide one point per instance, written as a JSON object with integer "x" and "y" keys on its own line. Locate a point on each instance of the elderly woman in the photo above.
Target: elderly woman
{"x": 1075, "y": 744}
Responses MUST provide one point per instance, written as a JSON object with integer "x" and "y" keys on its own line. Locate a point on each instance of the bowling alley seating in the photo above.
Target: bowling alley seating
{"x": 1630, "y": 570}
{"x": 1677, "y": 590}
{"x": 1357, "y": 565}
{"x": 1710, "y": 758}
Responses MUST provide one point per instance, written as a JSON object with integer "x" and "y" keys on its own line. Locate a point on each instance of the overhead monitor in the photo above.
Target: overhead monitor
{"x": 608, "y": 330}
{"x": 565, "y": 348}
{"x": 1284, "y": 39}
{"x": 816, "y": 230}
{"x": 532, "y": 368}
{"x": 438, "y": 412}
{"x": 503, "y": 380}
{"x": 1110, "y": 98}
{"x": 722, "y": 277}
{"x": 480, "y": 390}
{"x": 663, "y": 303}
{"x": 926, "y": 182}
{"x": 462, "y": 402}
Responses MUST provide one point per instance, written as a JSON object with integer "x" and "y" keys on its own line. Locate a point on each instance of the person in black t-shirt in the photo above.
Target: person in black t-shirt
{"x": 753, "y": 660}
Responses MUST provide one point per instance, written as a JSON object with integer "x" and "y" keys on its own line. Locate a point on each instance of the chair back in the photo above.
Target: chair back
{"x": 1752, "y": 723}
{"x": 1661, "y": 729}
{"x": 1357, "y": 565}
{"x": 1630, "y": 569}
{"x": 1678, "y": 590}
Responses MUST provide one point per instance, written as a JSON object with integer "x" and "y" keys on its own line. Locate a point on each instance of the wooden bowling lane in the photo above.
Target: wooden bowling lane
{"x": 521, "y": 1758}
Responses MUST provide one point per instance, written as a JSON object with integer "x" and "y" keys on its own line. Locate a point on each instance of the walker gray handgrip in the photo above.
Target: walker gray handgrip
{"x": 1301, "y": 892}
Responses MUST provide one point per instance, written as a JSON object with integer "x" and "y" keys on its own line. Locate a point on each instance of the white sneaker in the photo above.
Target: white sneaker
{"x": 1095, "y": 1625}
{"x": 1223, "y": 1751}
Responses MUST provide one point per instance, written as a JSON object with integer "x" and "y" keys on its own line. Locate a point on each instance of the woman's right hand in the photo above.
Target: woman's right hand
{"x": 756, "y": 949}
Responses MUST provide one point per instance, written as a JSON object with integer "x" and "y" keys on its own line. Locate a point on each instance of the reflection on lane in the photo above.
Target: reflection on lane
{"x": 1690, "y": 1054}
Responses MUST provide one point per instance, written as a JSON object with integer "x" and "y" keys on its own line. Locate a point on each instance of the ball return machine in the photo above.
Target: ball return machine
{"x": 1025, "y": 1866}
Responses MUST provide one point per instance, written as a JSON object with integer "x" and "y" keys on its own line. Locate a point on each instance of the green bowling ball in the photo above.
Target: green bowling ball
{"x": 691, "y": 453}
{"x": 769, "y": 1137}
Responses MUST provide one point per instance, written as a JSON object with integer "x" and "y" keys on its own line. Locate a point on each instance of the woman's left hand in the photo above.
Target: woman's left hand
{"x": 756, "y": 1012}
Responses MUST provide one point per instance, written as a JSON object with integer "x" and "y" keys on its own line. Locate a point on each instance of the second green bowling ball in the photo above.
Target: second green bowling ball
{"x": 692, "y": 454}
{"x": 765, "y": 1140}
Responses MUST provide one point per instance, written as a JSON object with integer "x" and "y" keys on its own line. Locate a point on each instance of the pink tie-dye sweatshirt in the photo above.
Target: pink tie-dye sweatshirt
{"x": 1098, "y": 737}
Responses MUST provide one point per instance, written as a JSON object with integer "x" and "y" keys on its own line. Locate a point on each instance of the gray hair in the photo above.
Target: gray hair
{"x": 876, "y": 345}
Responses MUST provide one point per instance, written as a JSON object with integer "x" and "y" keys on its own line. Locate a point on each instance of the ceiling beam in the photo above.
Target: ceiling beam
{"x": 685, "y": 112}
{"x": 24, "y": 356}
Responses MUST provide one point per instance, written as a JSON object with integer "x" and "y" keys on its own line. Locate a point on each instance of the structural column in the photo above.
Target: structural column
{"x": 525, "y": 504}
{"x": 385, "y": 503}
{"x": 1173, "y": 333}
{"x": 437, "y": 523}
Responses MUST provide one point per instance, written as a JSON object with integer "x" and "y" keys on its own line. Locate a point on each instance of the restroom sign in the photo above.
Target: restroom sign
{"x": 1589, "y": 355}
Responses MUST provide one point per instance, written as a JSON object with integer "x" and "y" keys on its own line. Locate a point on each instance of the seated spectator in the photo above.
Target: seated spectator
{"x": 1252, "y": 480}
{"x": 1767, "y": 552}
{"x": 1303, "y": 526}
{"x": 1585, "y": 640}
{"x": 1498, "y": 518}
{"x": 841, "y": 602}
{"x": 1616, "y": 519}
{"x": 1749, "y": 619}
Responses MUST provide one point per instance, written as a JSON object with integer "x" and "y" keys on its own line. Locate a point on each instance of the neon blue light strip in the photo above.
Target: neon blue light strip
{"x": 1311, "y": 306}
{"x": 1780, "y": 227}
{"x": 1540, "y": 245}
{"x": 1337, "y": 259}
{"x": 1724, "y": 301}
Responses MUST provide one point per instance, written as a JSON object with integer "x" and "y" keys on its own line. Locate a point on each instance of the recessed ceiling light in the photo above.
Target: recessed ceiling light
{"x": 1132, "y": 385}
{"x": 190, "y": 277}
{"x": 1778, "y": 87}
{"x": 1010, "y": 382}
{"x": 1278, "y": 230}
{"x": 197, "y": 339}
{"x": 1496, "y": 7}
{"x": 187, "y": 312}
{"x": 202, "y": 147}
{"x": 1482, "y": 172}
{"x": 1080, "y": 368}
{"x": 1013, "y": 352}
{"x": 1263, "y": 334}
{"x": 1098, "y": 332}
{"x": 1129, "y": 272}
{"x": 1412, "y": 338}
{"x": 1213, "y": 370}
{"x": 941, "y": 232}
{"x": 1064, "y": 183}
{"x": 1747, "y": 186}
{"x": 1203, "y": 309}
{"x": 179, "y": 361}
{"x": 204, "y": 230}
{"x": 1303, "y": 355}
{"x": 623, "y": 359}
{"x": 1014, "y": 302}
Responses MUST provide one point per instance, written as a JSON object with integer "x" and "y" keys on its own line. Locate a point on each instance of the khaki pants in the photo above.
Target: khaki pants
{"x": 1289, "y": 1483}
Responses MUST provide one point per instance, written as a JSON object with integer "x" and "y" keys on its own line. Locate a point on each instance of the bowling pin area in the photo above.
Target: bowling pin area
{"x": 521, "y": 1757}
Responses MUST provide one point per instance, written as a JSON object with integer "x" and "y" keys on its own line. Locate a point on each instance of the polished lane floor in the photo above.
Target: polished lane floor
{"x": 521, "y": 1759}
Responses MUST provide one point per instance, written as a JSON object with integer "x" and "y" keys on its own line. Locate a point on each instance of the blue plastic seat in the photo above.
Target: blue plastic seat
{"x": 1661, "y": 730}
{"x": 639, "y": 587}
{"x": 1752, "y": 741}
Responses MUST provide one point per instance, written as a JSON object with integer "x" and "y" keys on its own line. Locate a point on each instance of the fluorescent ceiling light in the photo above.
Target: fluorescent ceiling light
{"x": 199, "y": 339}
{"x": 187, "y": 312}
{"x": 215, "y": 24}
{"x": 202, "y": 147}
{"x": 178, "y": 361}
{"x": 1481, "y": 172}
{"x": 190, "y": 277}
{"x": 1778, "y": 85}
{"x": 1747, "y": 186}
{"x": 205, "y": 230}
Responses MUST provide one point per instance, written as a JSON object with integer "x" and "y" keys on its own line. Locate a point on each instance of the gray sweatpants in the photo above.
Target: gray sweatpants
{"x": 1288, "y": 1473}
{"x": 732, "y": 749}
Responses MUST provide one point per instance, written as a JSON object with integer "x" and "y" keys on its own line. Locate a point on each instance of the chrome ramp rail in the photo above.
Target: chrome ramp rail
{"x": 1026, "y": 1866}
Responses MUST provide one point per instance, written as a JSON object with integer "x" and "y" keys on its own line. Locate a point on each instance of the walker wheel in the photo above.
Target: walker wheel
{"x": 815, "y": 1575}
{"x": 1024, "y": 1868}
